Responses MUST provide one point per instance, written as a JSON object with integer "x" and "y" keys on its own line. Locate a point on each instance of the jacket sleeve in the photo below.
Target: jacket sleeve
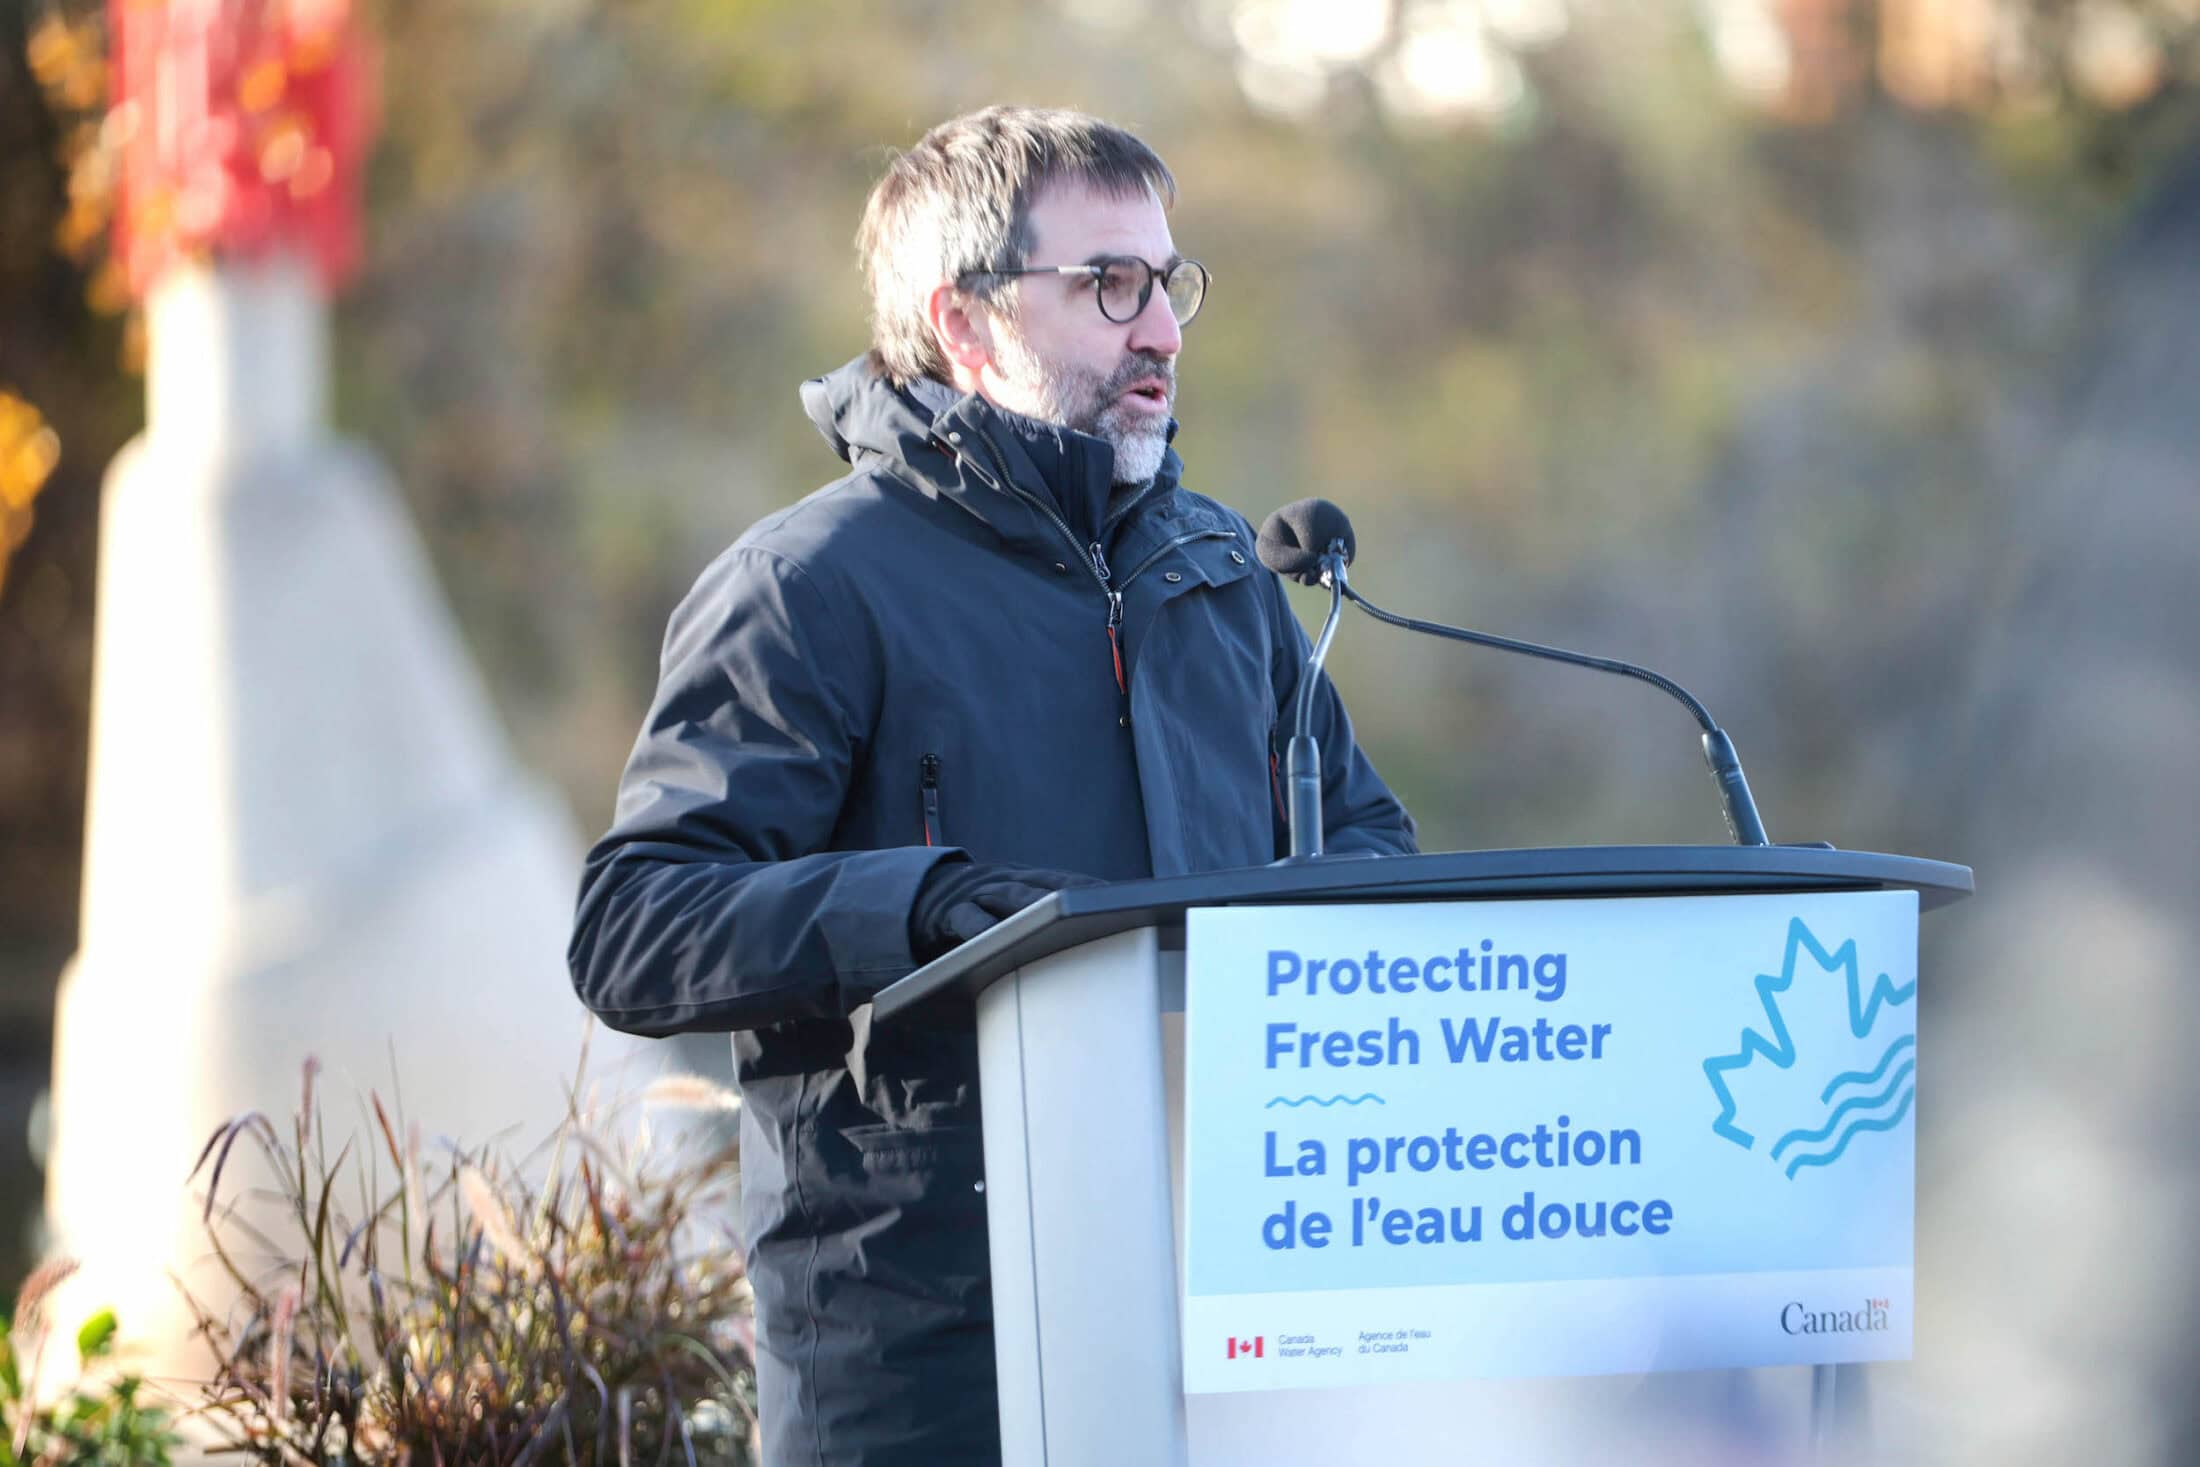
{"x": 713, "y": 902}
{"x": 1359, "y": 813}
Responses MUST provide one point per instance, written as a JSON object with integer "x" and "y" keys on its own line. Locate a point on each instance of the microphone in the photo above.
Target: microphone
{"x": 1294, "y": 539}
{"x": 1309, "y": 541}
{"x": 1283, "y": 549}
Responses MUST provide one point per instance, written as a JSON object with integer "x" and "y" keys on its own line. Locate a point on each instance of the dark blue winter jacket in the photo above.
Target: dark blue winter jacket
{"x": 956, "y": 648}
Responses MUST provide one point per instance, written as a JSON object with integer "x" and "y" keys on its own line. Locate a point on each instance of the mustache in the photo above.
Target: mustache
{"x": 1139, "y": 366}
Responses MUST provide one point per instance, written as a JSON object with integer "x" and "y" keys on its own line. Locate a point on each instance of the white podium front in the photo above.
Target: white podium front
{"x": 1080, "y": 1004}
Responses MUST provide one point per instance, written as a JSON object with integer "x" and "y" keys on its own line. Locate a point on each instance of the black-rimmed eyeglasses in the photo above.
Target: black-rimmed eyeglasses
{"x": 1125, "y": 284}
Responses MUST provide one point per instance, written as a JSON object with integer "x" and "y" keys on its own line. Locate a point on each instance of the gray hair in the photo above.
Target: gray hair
{"x": 959, "y": 203}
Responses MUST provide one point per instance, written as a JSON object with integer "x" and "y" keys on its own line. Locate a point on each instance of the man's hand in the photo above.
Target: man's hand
{"x": 961, "y": 899}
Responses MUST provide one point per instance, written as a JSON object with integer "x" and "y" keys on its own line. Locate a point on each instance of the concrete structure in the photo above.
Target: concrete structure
{"x": 305, "y": 833}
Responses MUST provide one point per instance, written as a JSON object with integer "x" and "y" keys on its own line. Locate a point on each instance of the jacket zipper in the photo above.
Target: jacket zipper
{"x": 928, "y": 785}
{"x": 1096, "y": 561}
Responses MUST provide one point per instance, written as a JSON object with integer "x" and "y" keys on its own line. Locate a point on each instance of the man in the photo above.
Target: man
{"x": 1006, "y": 653}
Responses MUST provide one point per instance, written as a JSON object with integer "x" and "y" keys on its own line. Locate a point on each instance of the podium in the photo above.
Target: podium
{"x": 1080, "y": 1006}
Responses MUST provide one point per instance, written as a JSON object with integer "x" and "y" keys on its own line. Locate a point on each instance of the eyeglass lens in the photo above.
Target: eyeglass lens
{"x": 1127, "y": 284}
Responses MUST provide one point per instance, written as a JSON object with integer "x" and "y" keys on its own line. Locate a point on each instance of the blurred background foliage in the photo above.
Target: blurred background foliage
{"x": 1834, "y": 356}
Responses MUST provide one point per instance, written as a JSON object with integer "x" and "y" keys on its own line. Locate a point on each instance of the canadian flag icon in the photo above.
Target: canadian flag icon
{"x": 1254, "y": 1347}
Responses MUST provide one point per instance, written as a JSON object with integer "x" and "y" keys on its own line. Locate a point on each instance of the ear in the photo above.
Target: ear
{"x": 961, "y": 327}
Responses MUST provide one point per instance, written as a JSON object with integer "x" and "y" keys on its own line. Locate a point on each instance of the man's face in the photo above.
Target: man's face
{"x": 1056, "y": 358}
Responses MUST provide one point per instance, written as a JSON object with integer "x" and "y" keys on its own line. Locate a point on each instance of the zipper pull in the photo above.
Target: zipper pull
{"x": 1115, "y": 618}
{"x": 1115, "y": 649}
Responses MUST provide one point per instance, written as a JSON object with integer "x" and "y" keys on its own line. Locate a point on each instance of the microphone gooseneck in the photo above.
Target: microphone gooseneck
{"x": 1311, "y": 542}
{"x": 1302, "y": 760}
{"x": 1742, "y": 820}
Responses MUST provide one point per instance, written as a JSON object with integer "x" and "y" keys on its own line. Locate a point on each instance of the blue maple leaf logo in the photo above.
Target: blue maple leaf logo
{"x": 1852, "y": 1074}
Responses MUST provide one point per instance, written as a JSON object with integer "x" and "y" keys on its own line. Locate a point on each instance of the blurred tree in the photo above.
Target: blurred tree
{"x": 61, "y": 359}
{"x": 28, "y": 452}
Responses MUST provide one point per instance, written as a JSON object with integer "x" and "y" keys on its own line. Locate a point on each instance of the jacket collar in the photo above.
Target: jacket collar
{"x": 960, "y": 446}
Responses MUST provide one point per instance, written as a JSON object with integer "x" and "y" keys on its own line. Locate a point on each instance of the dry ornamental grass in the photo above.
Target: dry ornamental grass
{"x": 597, "y": 1315}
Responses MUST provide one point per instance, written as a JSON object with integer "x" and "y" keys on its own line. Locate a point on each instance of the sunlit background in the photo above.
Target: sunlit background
{"x": 1840, "y": 358}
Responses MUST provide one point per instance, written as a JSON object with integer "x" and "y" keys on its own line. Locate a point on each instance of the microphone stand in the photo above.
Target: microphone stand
{"x": 1303, "y": 758}
{"x": 1742, "y": 820}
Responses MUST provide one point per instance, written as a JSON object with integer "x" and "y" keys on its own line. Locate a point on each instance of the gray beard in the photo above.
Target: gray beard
{"x": 1085, "y": 401}
{"x": 1138, "y": 447}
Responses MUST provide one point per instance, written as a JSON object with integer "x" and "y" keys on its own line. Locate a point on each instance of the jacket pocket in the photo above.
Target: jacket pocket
{"x": 928, "y": 798}
{"x": 918, "y": 1176}
{"x": 916, "y": 1213}
{"x": 946, "y": 1150}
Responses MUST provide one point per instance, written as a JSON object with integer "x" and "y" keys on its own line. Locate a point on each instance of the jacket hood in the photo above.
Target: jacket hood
{"x": 861, "y": 413}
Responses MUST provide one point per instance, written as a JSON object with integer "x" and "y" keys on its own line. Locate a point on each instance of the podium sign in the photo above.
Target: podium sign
{"x": 1434, "y": 1141}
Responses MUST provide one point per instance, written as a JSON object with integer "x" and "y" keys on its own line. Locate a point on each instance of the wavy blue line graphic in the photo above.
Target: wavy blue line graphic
{"x": 1859, "y": 1077}
{"x": 1853, "y": 1103}
{"x": 1324, "y": 1101}
{"x": 1881, "y": 1123}
{"x": 1780, "y": 1049}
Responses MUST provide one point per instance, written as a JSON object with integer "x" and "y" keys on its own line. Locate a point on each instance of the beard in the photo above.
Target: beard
{"x": 1089, "y": 401}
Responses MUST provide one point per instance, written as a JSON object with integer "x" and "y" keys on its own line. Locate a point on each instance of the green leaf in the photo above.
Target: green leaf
{"x": 97, "y": 1336}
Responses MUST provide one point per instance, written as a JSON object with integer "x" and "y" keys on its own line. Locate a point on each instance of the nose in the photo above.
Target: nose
{"x": 1154, "y": 329}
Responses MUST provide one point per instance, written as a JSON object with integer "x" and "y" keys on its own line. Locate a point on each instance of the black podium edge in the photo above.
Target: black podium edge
{"x": 1086, "y": 914}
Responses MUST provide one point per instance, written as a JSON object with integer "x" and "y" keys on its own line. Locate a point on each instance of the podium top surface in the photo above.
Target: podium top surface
{"x": 1086, "y": 913}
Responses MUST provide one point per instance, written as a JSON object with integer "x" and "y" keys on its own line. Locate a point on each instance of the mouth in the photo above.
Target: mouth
{"x": 1149, "y": 393}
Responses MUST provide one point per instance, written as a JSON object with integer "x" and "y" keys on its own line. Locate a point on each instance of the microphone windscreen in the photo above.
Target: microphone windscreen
{"x": 1294, "y": 539}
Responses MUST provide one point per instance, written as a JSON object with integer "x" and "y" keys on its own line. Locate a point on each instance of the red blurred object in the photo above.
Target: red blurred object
{"x": 240, "y": 126}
